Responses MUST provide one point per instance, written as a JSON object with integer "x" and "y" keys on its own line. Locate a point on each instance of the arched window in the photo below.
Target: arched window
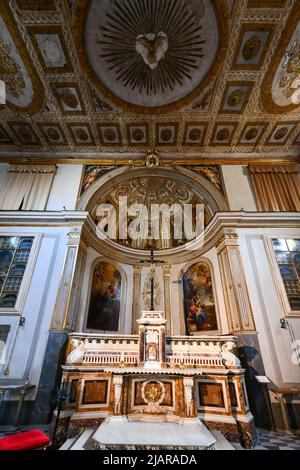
{"x": 198, "y": 297}
{"x": 104, "y": 308}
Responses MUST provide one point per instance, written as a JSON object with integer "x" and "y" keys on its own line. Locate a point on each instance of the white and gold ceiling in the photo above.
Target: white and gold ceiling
{"x": 90, "y": 80}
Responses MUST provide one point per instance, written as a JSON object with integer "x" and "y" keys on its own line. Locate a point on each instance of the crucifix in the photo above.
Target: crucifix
{"x": 152, "y": 272}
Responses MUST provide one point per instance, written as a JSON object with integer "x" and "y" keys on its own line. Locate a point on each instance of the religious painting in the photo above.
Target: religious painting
{"x": 92, "y": 173}
{"x": 211, "y": 394}
{"x": 95, "y": 392}
{"x": 199, "y": 303}
{"x": 104, "y": 306}
{"x": 211, "y": 173}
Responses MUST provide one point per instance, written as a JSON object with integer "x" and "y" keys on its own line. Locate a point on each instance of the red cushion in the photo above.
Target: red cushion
{"x": 27, "y": 440}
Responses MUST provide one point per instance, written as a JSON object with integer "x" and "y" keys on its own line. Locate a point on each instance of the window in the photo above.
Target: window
{"x": 14, "y": 255}
{"x": 287, "y": 253}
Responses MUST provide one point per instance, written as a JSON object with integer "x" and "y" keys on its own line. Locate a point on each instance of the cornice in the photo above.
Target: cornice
{"x": 221, "y": 224}
{"x": 123, "y": 158}
{"x": 42, "y": 218}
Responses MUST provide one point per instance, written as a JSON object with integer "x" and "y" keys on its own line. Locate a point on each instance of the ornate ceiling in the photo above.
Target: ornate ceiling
{"x": 94, "y": 80}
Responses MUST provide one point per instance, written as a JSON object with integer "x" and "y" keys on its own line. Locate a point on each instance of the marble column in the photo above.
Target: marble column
{"x": 136, "y": 298}
{"x": 237, "y": 302}
{"x": 118, "y": 383}
{"x": 188, "y": 383}
{"x": 167, "y": 297}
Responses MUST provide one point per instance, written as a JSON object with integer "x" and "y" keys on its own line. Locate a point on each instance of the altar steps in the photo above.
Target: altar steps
{"x": 221, "y": 442}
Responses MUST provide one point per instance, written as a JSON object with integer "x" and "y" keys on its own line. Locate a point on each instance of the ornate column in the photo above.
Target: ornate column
{"x": 167, "y": 297}
{"x": 136, "y": 298}
{"x": 188, "y": 383}
{"x": 118, "y": 383}
{"x": 237, "y": 303}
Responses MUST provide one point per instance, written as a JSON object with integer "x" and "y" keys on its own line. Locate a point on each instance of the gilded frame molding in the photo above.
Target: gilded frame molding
{"x": 38, "y": 98}
{"x": 267, "y": 101}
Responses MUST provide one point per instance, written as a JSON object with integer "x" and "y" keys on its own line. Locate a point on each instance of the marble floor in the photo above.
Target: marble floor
{"x": 268, "y": 440}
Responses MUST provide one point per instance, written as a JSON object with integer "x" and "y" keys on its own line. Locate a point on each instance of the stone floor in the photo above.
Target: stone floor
{"x": 268, "y": 440}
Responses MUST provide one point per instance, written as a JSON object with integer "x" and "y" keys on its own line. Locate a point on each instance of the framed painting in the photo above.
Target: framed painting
{"x": 104, "y": 308}
{"x": 199, "y": 303}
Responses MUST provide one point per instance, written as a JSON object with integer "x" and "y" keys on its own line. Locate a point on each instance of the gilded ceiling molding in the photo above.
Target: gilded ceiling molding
{"x": 38, "y": 97}
{"x": 79, "y": 25}
{"x": 267, "y": 85}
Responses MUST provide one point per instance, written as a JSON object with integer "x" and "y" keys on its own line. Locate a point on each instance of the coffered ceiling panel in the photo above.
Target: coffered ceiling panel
{"x": 93, "y": 80}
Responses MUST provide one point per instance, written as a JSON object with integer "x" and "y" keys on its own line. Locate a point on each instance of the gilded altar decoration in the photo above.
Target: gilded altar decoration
{"x": 153, "y": 391}
{"x": 199, "y": 303}
{"x": 104, "y": 308}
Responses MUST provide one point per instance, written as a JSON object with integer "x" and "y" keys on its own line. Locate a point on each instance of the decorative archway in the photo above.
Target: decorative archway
{"x": 191, "y": 186}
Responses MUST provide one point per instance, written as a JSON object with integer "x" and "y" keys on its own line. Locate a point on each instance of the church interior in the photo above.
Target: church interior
{"x": 121, "y": 328}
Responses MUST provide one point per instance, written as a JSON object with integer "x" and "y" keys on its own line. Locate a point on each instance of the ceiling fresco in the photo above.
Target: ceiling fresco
{"x": 93, "y": 80}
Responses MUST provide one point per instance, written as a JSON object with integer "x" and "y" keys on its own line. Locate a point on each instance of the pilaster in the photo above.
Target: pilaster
{"x": 237, "y": 302}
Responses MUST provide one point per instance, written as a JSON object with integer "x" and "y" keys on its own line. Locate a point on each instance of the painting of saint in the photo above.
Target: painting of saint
{"x": 104, "y": 308}
{"x": 199, "y": 304}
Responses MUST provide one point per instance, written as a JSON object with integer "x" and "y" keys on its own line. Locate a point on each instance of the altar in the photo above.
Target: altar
{"x": 145, "y": 383}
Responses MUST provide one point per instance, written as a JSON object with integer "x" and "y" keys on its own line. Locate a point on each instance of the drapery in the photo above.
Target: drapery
{"x": 27, "y": 187}
{"x": 276, "y": 187}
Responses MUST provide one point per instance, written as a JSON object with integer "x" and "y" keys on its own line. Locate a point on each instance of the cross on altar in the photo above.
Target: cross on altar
{"x": 152, "y": 272}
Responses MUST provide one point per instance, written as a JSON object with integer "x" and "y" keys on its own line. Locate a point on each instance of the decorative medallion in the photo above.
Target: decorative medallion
{"x": 166, "y": 133}
{"x": 252, "y": 133}
{"x": 68, "y": 97}
{"x": 153, "y": 53}
{"x": 251, "y": 48}
{"x": 137, "y": 133}
{"x": 253, "y": 44}
{"x": 280, "y": 133}
{"x": 81, "y": 133}
{"x": 236, "y": 97}
{"x": 110, "y": 134}
{"x": 194, "y": 133}
{"x": 153, "y": 391}
{"x": 25, "y": 133}
{"x": 52, "y": 133}
{"x": 223, "y": 133}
